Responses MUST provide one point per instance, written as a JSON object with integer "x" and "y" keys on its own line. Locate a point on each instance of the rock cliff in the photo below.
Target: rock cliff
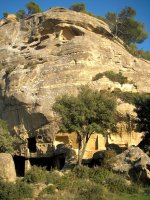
{"x": 52, "y": 53}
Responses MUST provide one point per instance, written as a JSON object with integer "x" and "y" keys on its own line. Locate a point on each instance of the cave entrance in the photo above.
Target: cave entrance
{"x": 59, "y": 161}
{"x": 49, "y": 163}
{"x": 19, "y": 165}
{"x": 32, "y": 144}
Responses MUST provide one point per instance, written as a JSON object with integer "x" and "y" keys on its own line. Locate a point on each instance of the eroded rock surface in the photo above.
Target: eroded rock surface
{"x": 7, "y": 168}
{"x": 134, "y": 163}
{"x": 53, "y": 53}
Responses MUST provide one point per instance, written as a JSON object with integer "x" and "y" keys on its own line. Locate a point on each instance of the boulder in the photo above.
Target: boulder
{"x": 7, "y": 168}
{"x": 69, "y": 156}
{"x": 134, "y": 163}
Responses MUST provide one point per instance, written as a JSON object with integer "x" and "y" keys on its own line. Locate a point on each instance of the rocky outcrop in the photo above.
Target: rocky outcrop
{"x": 9, "y": 19}
{"x": 53, "y": 53}
{"x": 7, "y": 168}
{"x": 134, "y": 163}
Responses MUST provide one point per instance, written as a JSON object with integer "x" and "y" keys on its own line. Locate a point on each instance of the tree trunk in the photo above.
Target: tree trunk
{"x": 82, "y": 147}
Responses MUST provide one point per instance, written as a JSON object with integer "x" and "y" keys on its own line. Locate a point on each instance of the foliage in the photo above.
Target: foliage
{"x": 10, "y": 191}
{"x": 36, "y": 175}
{"x": 50, "y": 189}
{"x": 89, "y": 112}
{"x": 109, "y": 159}
{"x": 6, "y": 140}
{"x": 143, "y": 113}
{"x": 143, "y": 54}
{"x": 79, "y": 7}
{"x": 81, "y": 172}
{"x": 129, "y": 97}
{"x": 115, "y": 77}
{"x": 125, "y": 26}
{"x": 5, "y": 14}
{"x": 20, "y": 14}
{"x": 33, "y": 8}
{"x": 118, "y": 184}
{"x": 82, "y": 183}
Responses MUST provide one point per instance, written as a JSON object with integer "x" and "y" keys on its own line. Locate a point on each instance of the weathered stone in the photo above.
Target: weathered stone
{"x": 9, "y": 19}
{"x": 134, "y": 163}
{"x": 69, "y": 155}
{"x": 7, "y": 168}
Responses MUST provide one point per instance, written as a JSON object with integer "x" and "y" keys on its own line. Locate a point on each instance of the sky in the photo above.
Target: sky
{"x": 98, "y": 7}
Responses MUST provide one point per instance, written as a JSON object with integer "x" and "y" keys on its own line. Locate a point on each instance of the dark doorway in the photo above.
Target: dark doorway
{"x": 49, "y": 163}
{"x": 59, "y": 161}
{"x": 19, "y": 165}
{"x": 32, "y": 145}
{"x": 43, "y": 162}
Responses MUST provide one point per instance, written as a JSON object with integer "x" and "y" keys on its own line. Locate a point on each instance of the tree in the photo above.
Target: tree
{"x": 5, "y": 14}
{"x": 33, "y": 8}
{"x": 89, "y": 112}
{"x": 6, "y": 140}
{"x": 126, "y": 27}
{"x": 20, "y": 14}
{"x": 143, "y": 113}
{"x": 79, "y": 7}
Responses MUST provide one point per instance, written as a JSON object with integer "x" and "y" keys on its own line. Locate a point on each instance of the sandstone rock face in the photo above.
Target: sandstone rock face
{"x": 134, "y": 163}
{"x": 53, "y": 53}
{"x": 10, "y": 18}
{"x": 7, "y": 168}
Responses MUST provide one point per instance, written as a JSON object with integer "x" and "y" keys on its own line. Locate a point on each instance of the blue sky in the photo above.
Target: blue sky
{"x": 98, "y": 7}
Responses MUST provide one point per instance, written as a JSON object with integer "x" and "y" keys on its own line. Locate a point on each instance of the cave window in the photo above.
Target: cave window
{"x": 32, "y": 145}
{"x": 96, "y": 143}
{"x": 39, "y": 137}
{"x": 19, "y": 165}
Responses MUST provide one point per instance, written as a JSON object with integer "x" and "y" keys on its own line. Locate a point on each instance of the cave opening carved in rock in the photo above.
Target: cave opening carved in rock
{"x": 19, "y": 165}
{"x": 32, "y": 144}
{"x": 56, "y": 162}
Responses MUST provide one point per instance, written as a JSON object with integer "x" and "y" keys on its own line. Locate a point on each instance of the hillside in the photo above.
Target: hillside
{"x": 53, "y": 53}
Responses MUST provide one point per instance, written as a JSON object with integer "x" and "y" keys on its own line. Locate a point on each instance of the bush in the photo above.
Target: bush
{"x": 36, "y": 175}
{"x": 51, "y": 189}
{"x": 99, "y": 175}
{"x": 6, "y": 140}
{"x": 60, "y": 181}
{"x": 117, "y": 184}
{"x": 10, "y": 191}
{"x": 115, "y": 77}
{"x": 98, "y": 76}
{"x": 79, "y": 7}
{"x": 109, "y": 159}
{"x": 130, "y": 97}
{"x": 88, "y": 191}
{"x": 81, "y": 172}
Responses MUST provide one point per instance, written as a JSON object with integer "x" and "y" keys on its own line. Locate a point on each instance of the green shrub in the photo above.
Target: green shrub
{"x": 50, "y": 189}
{"x": 24, "y": 190}
{"x": 81, "y": 171}
{"x": 88, "y": 191}
{"x": 118, "y": 184}
{"x": 98, "y": 76}
{"x": 6, "y": 140}
{"x": 79, "y": 7}
{"x": 36, "y": 175}
{"x": 130, "y": 97}
{"x": 115, "y": 77}
{"x": 109, "y": 159}
{"x": 99, "y": 175}
{"x": 18, "y": 191}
